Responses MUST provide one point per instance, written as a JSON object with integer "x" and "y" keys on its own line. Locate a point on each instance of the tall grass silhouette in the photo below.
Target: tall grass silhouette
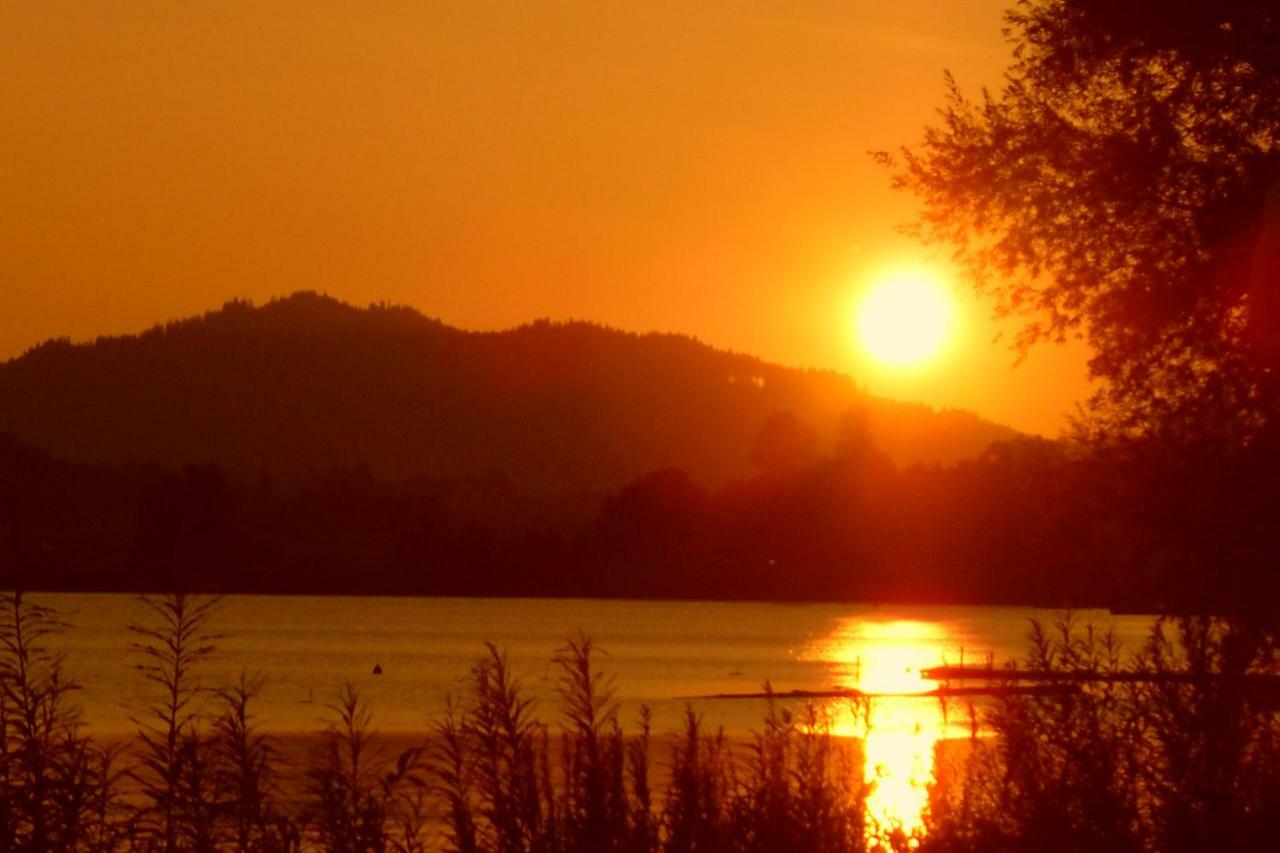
{"x": 1170, "y": 747}
{"x": 57, "y": 787}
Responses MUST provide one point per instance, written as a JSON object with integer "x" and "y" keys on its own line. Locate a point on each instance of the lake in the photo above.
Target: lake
{"x": 662, "y": 653}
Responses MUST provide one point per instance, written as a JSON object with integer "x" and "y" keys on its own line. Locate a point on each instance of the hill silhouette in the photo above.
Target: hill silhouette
{"x": 308, "y": 446}
{"x": 308, "y": 382}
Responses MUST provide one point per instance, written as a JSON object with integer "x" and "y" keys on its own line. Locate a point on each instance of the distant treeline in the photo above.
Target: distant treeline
{"x": 1029, "y": 521}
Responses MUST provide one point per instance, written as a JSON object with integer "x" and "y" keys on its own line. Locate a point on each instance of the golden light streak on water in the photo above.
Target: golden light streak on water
{"x": 900, "y": 732}
{"x": 899, "y": 750}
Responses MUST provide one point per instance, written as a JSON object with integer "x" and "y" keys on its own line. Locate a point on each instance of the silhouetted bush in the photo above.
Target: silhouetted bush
{"x": 1174, "y": 748}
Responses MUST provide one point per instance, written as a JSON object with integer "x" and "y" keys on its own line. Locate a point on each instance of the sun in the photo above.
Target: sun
{"x": 905, "y": 318}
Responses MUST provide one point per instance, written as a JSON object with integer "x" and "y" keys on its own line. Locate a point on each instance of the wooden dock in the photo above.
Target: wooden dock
{"x": 1009, "y": 674}
{"x": 943, "y": 692}
{"x": 999, "y": 682}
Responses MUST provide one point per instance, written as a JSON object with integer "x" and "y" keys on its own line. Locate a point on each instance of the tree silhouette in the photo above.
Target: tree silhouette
{"x": 785, "y": 444}
{"x": 1124, "y": 186}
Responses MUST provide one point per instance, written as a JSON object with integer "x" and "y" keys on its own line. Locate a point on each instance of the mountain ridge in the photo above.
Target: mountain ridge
{"x": 307, "y": 381}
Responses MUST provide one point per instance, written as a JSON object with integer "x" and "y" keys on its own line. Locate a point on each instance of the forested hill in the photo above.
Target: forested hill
{"x": 308, "y": 382}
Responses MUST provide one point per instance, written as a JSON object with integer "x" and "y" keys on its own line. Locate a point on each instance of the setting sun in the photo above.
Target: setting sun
{"x": 905, "y": 318}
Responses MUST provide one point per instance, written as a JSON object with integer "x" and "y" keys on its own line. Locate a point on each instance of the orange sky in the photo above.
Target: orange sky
{"x": 692, "y": 167}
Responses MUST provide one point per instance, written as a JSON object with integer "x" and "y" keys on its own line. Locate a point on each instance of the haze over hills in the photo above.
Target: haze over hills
{"x": 307, "y": 382}
{"x": 308, "y": 446}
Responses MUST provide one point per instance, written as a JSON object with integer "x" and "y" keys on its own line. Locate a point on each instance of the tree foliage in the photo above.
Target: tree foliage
{"x": 1124, "y": 186}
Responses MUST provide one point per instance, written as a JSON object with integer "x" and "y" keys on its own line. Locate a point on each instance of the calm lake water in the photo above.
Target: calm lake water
{"x": 661, "y": 652}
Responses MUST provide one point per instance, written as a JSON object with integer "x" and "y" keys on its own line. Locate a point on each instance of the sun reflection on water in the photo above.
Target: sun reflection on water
{"x": 900, "y": 730}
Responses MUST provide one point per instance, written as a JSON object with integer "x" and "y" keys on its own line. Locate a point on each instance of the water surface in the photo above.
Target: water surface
{"x": 662, "y": 653}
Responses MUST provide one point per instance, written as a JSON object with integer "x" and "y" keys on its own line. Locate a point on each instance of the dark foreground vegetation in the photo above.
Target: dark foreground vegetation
{"x": 489, "y": 775}
{"x": 1184, "y": 758}
{"x": 1187, "y": 763}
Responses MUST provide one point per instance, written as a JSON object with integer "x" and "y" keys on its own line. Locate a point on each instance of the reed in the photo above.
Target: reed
{"x": 247, "y": 775}
{"x": 54, "y": 791}
{"x": 695, "y": 815}
{"x": 1185, "y": 759}
{"x": 452, "y": 765}
{"x": 802, "y": 791}
{"x": 345, "y": 814}
{"x": 1181, "y": 760}
{"x": 173, "y": 756}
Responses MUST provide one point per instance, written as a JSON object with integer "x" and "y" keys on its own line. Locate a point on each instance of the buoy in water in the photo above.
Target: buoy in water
{"x": 377, "y": 669}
